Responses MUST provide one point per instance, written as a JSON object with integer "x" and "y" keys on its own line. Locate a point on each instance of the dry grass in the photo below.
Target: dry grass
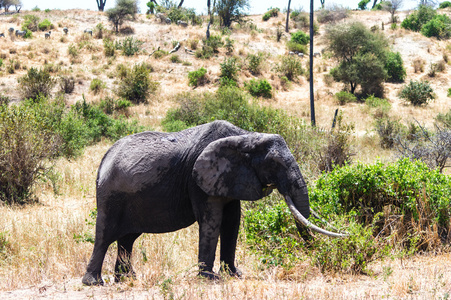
{"x": 43, "y": 258}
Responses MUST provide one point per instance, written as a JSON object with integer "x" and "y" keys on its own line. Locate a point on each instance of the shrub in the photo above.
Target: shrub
{"x": 344, "y": 97}
{"x": 31, "y": 22}
{"x": 266, "y": 16}
{"x": 295, "y": 47}
{"x": 67, "y": 84}
{"x": 214, "y": 42}
{"x": 110, "y": 105}
{"x": 395, "y": 68}
{"x": 130, "y": 46}
{"x": 418, "y": 64}
{"x": 300, "y": 37}
{"x": 97, "y": 85}
{"x": 136, "y": 86}
{"x": 36, "y": 82}
{"x": 228, "y": 45}
{"x": 290, "y": 66}
{"x": 406, "y": 202}
{"x": 45, "y": 25}
{"x": 259, "y": 88}
{"x": 388, "y": 131}
{"x": 332, "y": 14}
{"x": 109, "y": 47}
{"x": 417, "y": 92}
{"x": 254, "y": 63}
{"x": 160, "y": 53}
{"x": 362, "y": 4}
{"x": 198, "y": 77}
{"x": 229, "y": 69}
{"x": 72, "y": 51}
{"x": 175, "y": 58}
{"x": 444, "y": 119}
{"x": 418, "y": 18}
{"x": 437, "y": 27}
{"x": 25, "y": 145}
{"x": 444, "y": 4}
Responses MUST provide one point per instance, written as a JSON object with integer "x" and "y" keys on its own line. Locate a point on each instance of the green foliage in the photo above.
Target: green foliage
{"x": 151, "y": 7}
{"x": 45, "y": 25}
{"x": 300, "y": 37}
{"x": 198, "y": 77}
{"x": 109, "y": 47}
{"x": 350, "y": 254}
{"x": 362, "y": 4}
{"x": 37, "y": 82}
{"x": 295, "y": 47}
{"x": 395, "y": 67}
{"x": 136, "y": 85}
{"x": 175, "y": 59}
{"x": 444, "y": 119}
{"x": 97, "y": 85}
{"x": 228, "y": 103}
{"x": 418, "y": 18}
{"x": 228, "y": 45}
{"x": 229, "y": 69}
{"x": 160, "y": 53}
{"x": 254, "y": 63}
{"x": 361, "y": 55}
{"x": 123, "y": 11}
{"x": 380, "y": 105}
{"x": 72, "y": 51}
{"x": 344, "y": 97}
{"x": 25, "y": 145}
{"x": 290, "y": 67}
{"x": 266, "y": 16}
{"x": 444, "y": 4}
{"x": 30, "y": 22}
{"x": 388, "y": 131}
{"x": 373, "y": 194}
{"x": 110, "y": 105}
{"x": 231, "y": 11}
{"x": 67, "y": 84}
{"x": 259, "y": 88}
{"x": 215, "y": 41}
{"x": 437, "y": 27}
{"x": 273, "y": 12}
{"x": 270, "y": 231}
{"x": 417, "y": 92}
{"x": 129, "y": 46}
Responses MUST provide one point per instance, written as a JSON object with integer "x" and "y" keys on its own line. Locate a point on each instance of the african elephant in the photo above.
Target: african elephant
{"x": 154, "y": 182}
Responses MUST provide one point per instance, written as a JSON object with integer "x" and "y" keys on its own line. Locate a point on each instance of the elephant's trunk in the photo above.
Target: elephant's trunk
{"x": 303, "y": 220}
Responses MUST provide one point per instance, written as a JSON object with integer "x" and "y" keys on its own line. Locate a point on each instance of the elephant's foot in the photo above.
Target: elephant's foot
{"x": 120, "y": 277}
{"x": 90, "y": 279}
{"x": 231, "y": 271}
{"x": 209, "y": 275}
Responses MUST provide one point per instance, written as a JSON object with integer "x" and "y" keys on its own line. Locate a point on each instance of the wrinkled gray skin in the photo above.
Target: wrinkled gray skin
{"x": 161, "y": 182}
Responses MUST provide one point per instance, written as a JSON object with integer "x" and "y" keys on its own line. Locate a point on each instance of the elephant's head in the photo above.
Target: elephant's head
{"x": 248, "y": 167}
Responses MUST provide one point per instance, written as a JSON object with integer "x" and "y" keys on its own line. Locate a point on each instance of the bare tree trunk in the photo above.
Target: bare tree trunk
{"x": 374, "y": 4}
{"x": 181, "y": 3}
{"x": 312, "y": 99}
{"x": 288, "y": 16}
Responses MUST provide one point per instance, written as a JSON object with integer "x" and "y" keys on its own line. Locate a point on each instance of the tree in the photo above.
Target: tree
{"x": 231, "y": 11}
{"x": 392, "y": 7}
{"x": 288, "y": 15}
{"x": 362, "y": 4}
{"x": 124, "y": 10}
{"x": 101, "y": 4}
{"x": 6, "y": 4}
{"x": 361, "y": 55}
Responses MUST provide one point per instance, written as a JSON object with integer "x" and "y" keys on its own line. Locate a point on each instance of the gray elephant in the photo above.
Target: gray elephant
{"x": 154, "y": 182}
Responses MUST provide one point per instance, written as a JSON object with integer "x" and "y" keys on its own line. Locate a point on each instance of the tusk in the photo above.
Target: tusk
{"x": 301, "y": 219}
{"x": 316, "y": 215}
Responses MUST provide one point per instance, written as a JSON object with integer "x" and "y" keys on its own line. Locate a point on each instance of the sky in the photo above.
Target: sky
{"x": 257, "y": 6}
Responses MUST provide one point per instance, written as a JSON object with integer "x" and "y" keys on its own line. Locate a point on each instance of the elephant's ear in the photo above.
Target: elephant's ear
{"x": 224, "y": 169}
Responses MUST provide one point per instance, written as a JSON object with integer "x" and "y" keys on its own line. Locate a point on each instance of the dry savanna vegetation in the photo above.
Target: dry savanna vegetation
{"x": 380, "y": 174}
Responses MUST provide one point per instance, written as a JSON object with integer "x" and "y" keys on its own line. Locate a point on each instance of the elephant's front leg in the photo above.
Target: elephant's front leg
{"x": 209, "y": 229}
{"x": 229, "y": 235}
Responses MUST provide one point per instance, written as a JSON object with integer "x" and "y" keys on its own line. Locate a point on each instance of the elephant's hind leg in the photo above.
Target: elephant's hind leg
{"x": 93, "y": 274}
{"x": 124, "y": 252}
{"x": 229, "y": 233}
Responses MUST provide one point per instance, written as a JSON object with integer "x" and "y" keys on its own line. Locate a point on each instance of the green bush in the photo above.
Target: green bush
{"x": 300, "y": 37}
{"x": 417, "y": 92}
{"x": 444, "y": 119}
{"x": 418, "y": 18}
{"x": 97, "y": 85}
{"x": 395, "y": 68}
{"x": 444, "y": 4}
{"x": 35, "y": 83}
{"x": 30, "y": 22}
{"x": 437, "y": 27}
{"x": 295, "y": 47}
{"x": 136, "y": 86}
{"x": 266, "y": 16}
{"x": 362, "y": 4}
{"x": 26, "y": 143}
{"x": 109, "y": 47}
{"x": 198, "y": 77}
{"x": 130, "y": 46}
{"x": 270, "y": 231}
{"x": 388, "y": 130}
{"x": 45, "y": 25}
{"x": 175, "y": 59}
{"x": 254, "y": 63}
{"x": 259, "y": 88}
{"x": 110, "y": 105}
{"x": 214, "y": 42}
{"x": 229, "y": 69}
{"x": 409, "y": 196}
{"x": 67, "y": 84}
{"x": 344, "y": 97}
{"x": 290, "y": 67}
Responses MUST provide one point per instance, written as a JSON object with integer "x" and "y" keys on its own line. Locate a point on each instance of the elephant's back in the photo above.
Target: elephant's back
{"x": 137, "y": 161}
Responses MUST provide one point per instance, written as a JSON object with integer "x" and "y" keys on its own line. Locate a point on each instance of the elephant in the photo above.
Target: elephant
{"x": 154, "y": 182}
